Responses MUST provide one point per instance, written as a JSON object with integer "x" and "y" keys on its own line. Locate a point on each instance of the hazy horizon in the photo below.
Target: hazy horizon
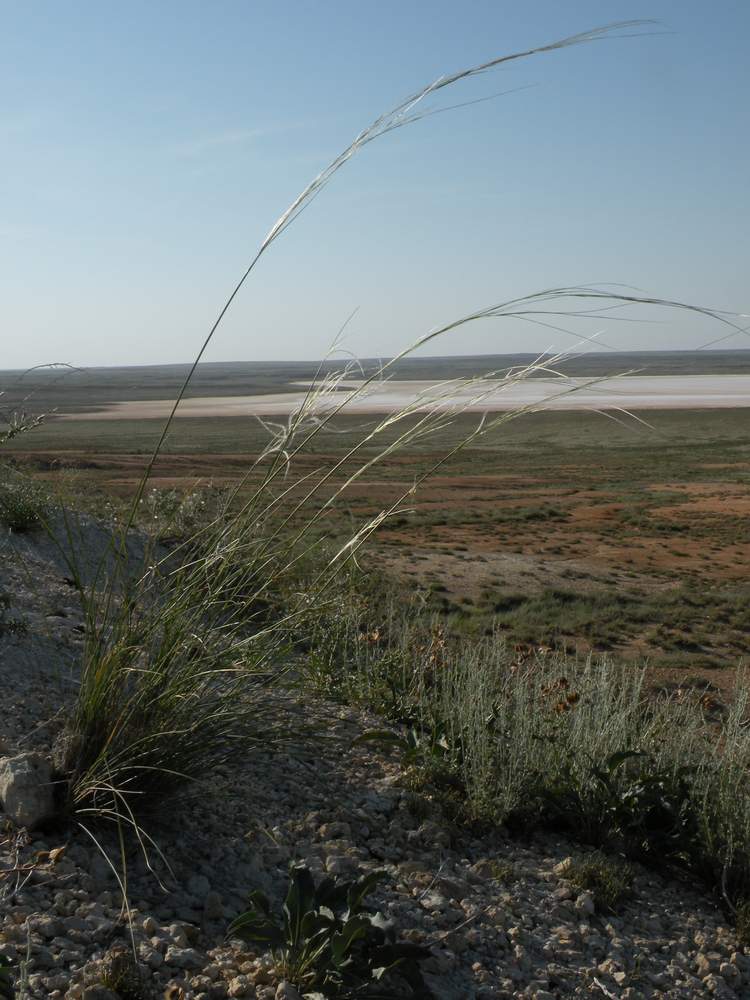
{"x": 425, "y": 360}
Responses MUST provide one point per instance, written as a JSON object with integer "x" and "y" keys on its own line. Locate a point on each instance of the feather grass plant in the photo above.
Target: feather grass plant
{"x": 183, "y": 648}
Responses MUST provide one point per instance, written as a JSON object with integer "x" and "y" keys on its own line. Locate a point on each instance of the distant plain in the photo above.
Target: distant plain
{"x": 560, "y": 529}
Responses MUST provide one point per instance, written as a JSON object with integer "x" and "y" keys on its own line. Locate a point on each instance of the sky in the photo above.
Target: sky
{"x": 146, "y": 150}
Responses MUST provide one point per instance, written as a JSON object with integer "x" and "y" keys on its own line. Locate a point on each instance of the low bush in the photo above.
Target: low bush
{"x": 627, "y": 801}
{"x": 173, "y": 515}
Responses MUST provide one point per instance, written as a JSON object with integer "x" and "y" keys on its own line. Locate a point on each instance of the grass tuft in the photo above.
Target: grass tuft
{"x": 608, "y": 879}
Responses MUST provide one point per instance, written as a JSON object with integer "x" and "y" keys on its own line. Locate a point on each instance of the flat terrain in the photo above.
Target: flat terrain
{"x": 562, "y": 528}
{"x": 66, "y": 389}
{"x": 635, "y": 392}
{"x": 627, "y": 535}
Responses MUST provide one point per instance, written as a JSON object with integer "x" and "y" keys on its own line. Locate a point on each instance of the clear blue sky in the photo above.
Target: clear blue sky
{"x": 146, "y": 148}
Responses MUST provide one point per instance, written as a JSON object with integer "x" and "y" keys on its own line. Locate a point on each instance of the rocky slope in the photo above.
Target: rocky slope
{"x": 498, "y": 914}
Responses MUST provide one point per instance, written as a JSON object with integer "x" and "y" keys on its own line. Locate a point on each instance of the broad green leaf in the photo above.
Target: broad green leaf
{"x": 332, "y": 893}
{"x": 259, "y": 900}
{"x": 257, "y": 928}
{"x": 355, "y": 929}
{"x": 362, "y": 888}
{"x": 312, "y": 922}
{"x": 299, "y": 899}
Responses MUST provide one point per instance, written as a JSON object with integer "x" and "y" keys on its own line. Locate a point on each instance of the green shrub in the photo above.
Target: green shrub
{"x": 174, "y": 515}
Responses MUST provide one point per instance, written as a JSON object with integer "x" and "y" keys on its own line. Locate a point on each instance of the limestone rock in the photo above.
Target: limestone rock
{"x": 26, "y": 789}
{"x": 285, "y": 991}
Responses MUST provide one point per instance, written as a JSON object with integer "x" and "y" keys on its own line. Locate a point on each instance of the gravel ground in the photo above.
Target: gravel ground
{"x": 498, "y": 914}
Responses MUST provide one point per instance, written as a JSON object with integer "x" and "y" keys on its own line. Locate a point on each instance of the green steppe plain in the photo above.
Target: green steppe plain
{"x": 563, "y": 529}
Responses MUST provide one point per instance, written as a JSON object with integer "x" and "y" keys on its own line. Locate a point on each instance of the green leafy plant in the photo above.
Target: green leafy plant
{"x": 651, "y": 809}
{"x": 326, "y": 941}
{"x": 416, "y": 745}
{"x": 627, "y": 800}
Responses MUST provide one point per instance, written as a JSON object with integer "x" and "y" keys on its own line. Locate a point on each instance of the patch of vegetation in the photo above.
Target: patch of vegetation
{"x": 627, "y": 800}
{"x": 326, "y": 940}
{"x": 608, "y": 879}
{"x": 537, "y": 739}
{"x": 556, "y": 614}
{"x": 501, "y": 871}
{"x": 681, "y": 619}
{"x": 118, "y": 971}
{"x": 8, "y": 624}
{"x": 174, "y": 515}
{"x": 24, "y": 504}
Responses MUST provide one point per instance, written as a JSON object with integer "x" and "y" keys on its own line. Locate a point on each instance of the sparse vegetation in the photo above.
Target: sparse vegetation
{"x": 9, "y": 624}
{"x": 607, "y": 878}
{"x": 24, "y": 504}
{"x": 540, "y": 739}
{"x": 118, "y": 971}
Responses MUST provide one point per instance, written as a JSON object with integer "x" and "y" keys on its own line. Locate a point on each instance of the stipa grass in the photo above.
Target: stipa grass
{"x": 182, "y": 648}
{"x": 170, "y": 646}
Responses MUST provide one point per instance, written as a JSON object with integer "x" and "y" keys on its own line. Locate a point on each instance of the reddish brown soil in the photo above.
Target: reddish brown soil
{"x": 661, "y": 535}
